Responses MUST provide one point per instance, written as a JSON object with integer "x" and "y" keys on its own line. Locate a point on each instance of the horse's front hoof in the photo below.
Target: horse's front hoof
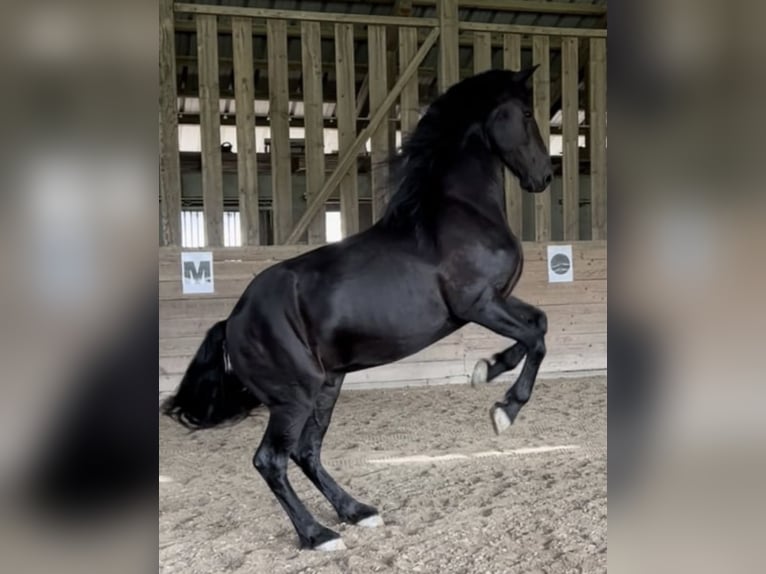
{"x": 500, "y": 419}
{"x": 331, "y": 545}
{"x": 480, "y": 373}
{"x": 373, "y": 521}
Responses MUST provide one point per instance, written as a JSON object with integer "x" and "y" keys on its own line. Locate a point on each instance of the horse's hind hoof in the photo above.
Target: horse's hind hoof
{"x": 500, "y": 419}
{"x": 480, "y": 373}
{"x": 373, "y": 521}
{"x": 331, "y": 545}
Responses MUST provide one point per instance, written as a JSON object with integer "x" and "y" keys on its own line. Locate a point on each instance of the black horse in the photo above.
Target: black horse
{"x": 441, "y": 256}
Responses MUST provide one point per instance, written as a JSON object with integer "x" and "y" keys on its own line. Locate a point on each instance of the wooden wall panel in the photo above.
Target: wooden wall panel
{"x": 541, "y": 85}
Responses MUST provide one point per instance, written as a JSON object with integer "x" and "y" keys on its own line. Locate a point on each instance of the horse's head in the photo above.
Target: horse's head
{"x": 515, "y": 137}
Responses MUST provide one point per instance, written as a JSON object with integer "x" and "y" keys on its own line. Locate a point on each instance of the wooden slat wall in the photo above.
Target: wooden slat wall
{"x": 513, "y": 197}
{"x": 379, "y": 143}
{"x": 281, "y": 180}
{"x": 210, "y": 128}
{"x": 311, "y": 43}
{"x": 346, "y": 114}
{"x": 482, "y": 52}
{"x": 247, "y": 161}
{"x": 409, "y": 100}
{"x": 576, "y": 311}
{"x": 597, "y": 118}
{"x": 170, "y": 169}
{"x": 570, "y": 129}
{"x": 449, "y": 63}
{"x": 541, "y": 85}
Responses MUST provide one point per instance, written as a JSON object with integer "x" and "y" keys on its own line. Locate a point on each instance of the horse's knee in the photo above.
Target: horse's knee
{"x": 541, "y": 322}
{"x": 267, "y": 463}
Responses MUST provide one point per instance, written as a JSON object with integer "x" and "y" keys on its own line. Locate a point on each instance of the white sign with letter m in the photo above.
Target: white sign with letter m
{"x": 197, "y": 272}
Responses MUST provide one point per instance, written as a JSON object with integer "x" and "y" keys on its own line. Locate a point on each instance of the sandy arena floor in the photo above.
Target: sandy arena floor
{"x": 501, "y": 512}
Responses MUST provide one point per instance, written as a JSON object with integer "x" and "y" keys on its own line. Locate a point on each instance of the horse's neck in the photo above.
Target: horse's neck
{"x": 476, "y": 181}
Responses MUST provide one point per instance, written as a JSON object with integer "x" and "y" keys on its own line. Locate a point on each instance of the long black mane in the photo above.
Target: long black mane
{"x": 428, "y": 153}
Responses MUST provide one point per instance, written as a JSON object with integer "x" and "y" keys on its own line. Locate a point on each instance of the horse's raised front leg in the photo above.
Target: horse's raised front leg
{"x": 308, "y": 457}
{"x": 526, "y": 324}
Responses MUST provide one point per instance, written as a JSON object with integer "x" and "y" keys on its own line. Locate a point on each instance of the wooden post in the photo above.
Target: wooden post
{"x": 376, "y": 48}
{"x": 210, "y": 128}
{"x": 570, "y": 131}
{"x": 311, "y": 48}
{"x": 597, "y": 75}
{"x": 170, "y": 169}
{"x": 345, "y": 160}
{"x": 281, "y": 180}
{"x": 541, "y": 85}
{"x": 247, "y": 160}
{"x": 449, "y": 66}
{"x": 513, "y": 193}
{"x": 345, "y": 112}
{"x": 482, "y": 51}
{"x": 409, "y": 104}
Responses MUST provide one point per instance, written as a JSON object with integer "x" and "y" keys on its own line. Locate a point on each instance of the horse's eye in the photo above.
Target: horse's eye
{"x": 527, "y": 114}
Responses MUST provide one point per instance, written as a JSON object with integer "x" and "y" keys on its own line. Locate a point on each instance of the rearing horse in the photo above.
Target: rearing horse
{"x": 441, "y": 256}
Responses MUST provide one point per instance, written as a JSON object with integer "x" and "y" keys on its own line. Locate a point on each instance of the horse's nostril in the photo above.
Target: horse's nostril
{"x": 547, "y": 180}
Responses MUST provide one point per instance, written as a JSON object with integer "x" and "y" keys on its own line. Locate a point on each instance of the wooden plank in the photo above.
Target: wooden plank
{"x": 482, "y": 52}
{"x": 449, "y": 65}
{"x": 247, "y": 160}
{"x": 298, "y": 15}
{"x": 345, "y": 112}
{"x": 570, "y": 131}
{"x": 533, "y": 6}
{"x": 409, "y": 101}
{"x": 541, "y": 86}
{"x": 513, "y": 192}
{"x": 311, "y": 50}
{"x": 533, "y": 30}
{"x": 279, "y": 107}
{"x": 597, "y": 116}
{"x": 170, "y": 169}
{"x": 210, "y": 129}
{"x": 376, "y": 48}
{"x": 345, "y": 160}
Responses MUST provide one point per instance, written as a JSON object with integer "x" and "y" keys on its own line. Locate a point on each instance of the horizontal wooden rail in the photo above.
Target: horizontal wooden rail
{"x": 531, "y": 30}
{"x": 296, "y": 15}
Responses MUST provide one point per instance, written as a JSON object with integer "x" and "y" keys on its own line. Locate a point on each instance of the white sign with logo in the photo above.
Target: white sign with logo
{"x": 560, "y": 264}
{"x": 197, "y": 272}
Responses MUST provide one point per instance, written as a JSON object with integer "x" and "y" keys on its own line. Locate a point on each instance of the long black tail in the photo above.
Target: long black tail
{"x": 209, "y": 394}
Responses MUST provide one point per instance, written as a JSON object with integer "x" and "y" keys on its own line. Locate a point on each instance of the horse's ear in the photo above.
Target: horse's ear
{"x": 522, "y": 76}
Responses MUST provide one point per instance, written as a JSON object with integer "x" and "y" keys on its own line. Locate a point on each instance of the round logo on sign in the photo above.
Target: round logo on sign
{"x": 560, "y": 264}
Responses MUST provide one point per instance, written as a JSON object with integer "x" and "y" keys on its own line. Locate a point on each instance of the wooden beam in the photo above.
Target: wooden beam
{"x": 170, "y": 170}
{"x": 281, "y": 181}
{"x": 570, "y": 130}
{"x": 349, "y": 157}
{"x": 513, "y": 192}
{"x": 541, "y": 87}
{"x": 449, "y": 64}
{"x": 346, "y": 114}
{"x": 409, "y": 103}
{"x": 210, "y": 129}
{"x": 482, "y": 52}
{"x": 247, "y": 160}
{"x": 364, "y": 92}
{"x": 532, "y": 30}
{"x": 311, "y": 51}
{"x": 298, "y": 15}
{"x": 537, "y": 7}
{"x": 377, "y": 51}
{"x": 597, "y": 109}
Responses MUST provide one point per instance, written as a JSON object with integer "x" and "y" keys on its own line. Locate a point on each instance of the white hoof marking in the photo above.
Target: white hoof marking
{"x": 500, "y": 420}
{"x": 332, "y": 545}
{"x": 371, "y": 521}
{"x": 480, "y": 373}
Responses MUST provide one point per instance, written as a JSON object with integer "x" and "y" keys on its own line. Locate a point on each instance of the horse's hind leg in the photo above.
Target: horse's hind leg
{"x": 279, "y": 442}
{"x": 308, "y": 457}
